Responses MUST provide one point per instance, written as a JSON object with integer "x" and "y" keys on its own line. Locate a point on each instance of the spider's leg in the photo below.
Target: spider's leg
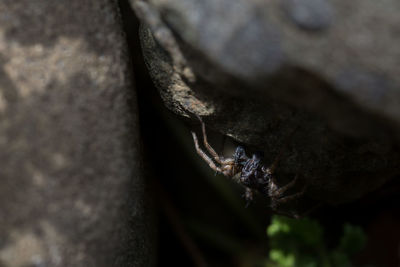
{"x": 290, "y": 197}
{"x": 204, "y": 155}
{"x": 276, "y": 202}
{"x": 279, "y": 191}
{"x": 286, "y": 213}
{"x": 207, "y": 145}
{"x": 295, "y": 214}
{"x": 248, "y": 195}
{"x": 313, "y": 208}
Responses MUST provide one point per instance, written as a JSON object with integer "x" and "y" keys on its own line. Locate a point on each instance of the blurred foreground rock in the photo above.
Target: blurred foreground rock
{"x": 257, "y": 70}
{"x": 71, "y": 188}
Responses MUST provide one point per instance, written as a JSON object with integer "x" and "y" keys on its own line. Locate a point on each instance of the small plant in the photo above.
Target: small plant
{"x": 300, "y": 243}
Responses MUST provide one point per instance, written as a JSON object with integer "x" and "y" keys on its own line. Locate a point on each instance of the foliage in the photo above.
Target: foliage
{"x": 300, "y": 243}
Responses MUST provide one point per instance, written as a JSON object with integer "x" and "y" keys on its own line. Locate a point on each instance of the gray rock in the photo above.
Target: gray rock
{"x": 72, "y": 190}
{"x": 309, "y": 14}
{"x": 256, "y": 74}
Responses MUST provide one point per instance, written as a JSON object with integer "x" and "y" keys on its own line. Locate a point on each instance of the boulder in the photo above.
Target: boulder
{"x": 72, "y": 189}
{"x": 259, "y": 70}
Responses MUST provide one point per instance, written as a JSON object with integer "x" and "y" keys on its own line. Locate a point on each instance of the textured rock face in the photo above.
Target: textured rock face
{"x": 71, "y": 187}
{"x": 257, "y": 70}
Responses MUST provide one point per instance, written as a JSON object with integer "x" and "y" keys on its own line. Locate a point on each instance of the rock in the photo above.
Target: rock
{"x": 309, "y": 14}
{"x": 257, "y": 70}
{"x": 72, "y": 189}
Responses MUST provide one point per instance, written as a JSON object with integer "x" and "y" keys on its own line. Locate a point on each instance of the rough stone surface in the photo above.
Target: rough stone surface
{"x": 309, "y": 14}
{"x": 257, "y": 70}
{"x": 71, "y": 191}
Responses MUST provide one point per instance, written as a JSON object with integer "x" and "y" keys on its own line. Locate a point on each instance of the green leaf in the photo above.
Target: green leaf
{"x": 300, "y": 243}
{"x": 353, "y": 240}
{"x": 284, "y": 260}
{"x": 340, "y": 259}
{"x": 305, "y": 230}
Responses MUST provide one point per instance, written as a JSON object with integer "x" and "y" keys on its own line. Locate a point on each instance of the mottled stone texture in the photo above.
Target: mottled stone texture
{"x": 257, "y": 70}
{"x": 71, "y": 183}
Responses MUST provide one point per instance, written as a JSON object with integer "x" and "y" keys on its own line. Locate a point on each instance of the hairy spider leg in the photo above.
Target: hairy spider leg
{"x": 277, "y": 198}
{"x": 227, "y": 163}
{"x": 248, "y": 195}
{"x": 204, "y": 155}
{"x": 221, "y": 149}
{"x": 275, "y": 202}
{"x": 290, "y": 197}
{"x": 279, "y": 191}
{"x": 216, "y": 157}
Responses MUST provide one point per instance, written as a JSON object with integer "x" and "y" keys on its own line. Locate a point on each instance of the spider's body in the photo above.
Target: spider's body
{"x": 249, "y": 172}
{"x": 254, "y": 175}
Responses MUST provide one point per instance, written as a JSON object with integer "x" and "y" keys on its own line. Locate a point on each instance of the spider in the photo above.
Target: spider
{"x": 249, "y": 172}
